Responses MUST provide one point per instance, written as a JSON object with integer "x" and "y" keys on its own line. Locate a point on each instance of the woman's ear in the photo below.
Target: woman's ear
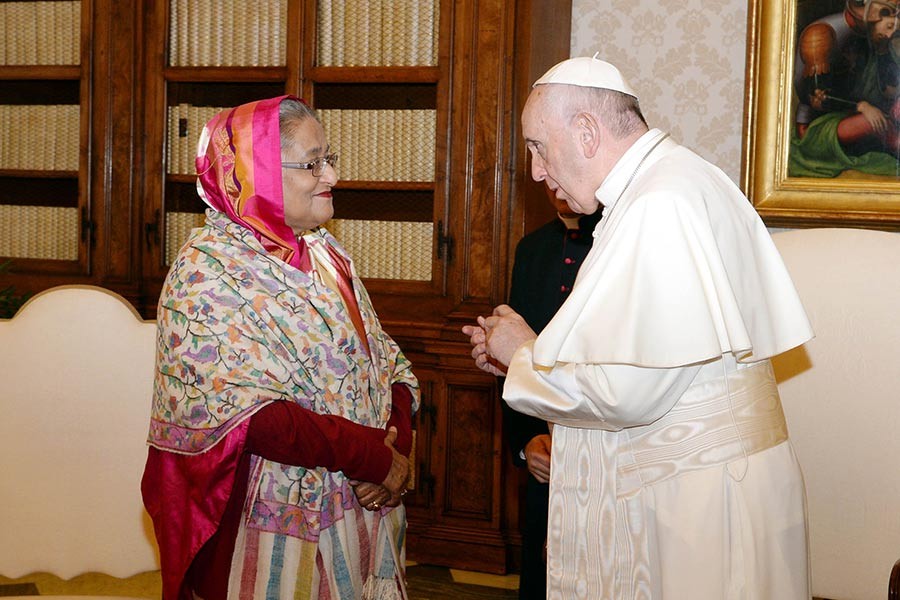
{"x": 588, "y": 131}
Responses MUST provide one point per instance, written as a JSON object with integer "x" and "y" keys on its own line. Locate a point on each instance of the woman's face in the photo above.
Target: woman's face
{"x": 307, "y": 198}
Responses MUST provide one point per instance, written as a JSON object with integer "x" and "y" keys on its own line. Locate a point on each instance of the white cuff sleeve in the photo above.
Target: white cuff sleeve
{"x": 593, "y": 396}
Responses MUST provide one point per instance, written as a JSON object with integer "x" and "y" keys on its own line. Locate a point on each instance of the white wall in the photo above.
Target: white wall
{"x": 685, "y": 59}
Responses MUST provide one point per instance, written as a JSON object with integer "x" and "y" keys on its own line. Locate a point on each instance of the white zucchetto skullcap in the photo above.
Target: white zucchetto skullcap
{"x": 587, "y": 72}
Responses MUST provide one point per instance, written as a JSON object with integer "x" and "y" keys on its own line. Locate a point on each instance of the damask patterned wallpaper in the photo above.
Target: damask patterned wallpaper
{"x": 684, "y": 58}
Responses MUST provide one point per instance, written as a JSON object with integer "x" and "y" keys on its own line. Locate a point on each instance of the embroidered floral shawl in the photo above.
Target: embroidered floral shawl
{"x": 238, "y": 328}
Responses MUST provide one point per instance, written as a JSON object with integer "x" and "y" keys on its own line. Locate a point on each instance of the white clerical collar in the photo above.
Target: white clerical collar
{"x": 620, "y": 176}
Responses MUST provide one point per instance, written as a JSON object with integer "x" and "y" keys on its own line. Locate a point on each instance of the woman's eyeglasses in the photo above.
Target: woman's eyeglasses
{"x": 317, "y": 166}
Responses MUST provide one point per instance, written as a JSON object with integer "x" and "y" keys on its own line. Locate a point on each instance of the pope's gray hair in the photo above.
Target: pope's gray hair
{"x": 620, "y": 113}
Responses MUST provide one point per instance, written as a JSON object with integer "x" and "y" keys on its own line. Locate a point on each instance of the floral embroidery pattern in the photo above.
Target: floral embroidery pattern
{"x": 239, "y": 329}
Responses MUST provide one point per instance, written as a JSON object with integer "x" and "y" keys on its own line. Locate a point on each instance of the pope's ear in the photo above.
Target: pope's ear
{"x": 588, "y": 132}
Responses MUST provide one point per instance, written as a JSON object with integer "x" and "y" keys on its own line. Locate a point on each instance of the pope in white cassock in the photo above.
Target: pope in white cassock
{"x": 672, "y": 473}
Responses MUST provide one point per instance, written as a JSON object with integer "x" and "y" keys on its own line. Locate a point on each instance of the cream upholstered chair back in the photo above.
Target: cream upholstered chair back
{"x": 841, "y": 395}
{"x": 77, "y": 370}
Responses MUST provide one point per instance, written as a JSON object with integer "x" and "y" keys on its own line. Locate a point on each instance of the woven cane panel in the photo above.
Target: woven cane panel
{"x": 39, "y": 137}
{"x": 382, "y": 145}
{"x": 47, "y": 232}
{"x": 233, "y": 33}
{"x": 40, "y": 33}
{"x": 387, "y": 249}
{"x": 380, "y": 33}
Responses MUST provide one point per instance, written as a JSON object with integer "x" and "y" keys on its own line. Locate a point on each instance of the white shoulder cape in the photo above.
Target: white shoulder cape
{"x": 682, "y": 270}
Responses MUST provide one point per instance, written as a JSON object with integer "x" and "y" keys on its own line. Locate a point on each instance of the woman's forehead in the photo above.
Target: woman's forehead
{"x": 307, "y": 136}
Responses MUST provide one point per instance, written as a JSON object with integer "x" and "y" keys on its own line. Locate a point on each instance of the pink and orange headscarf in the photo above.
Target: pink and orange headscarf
{"x": 239, "y": 173}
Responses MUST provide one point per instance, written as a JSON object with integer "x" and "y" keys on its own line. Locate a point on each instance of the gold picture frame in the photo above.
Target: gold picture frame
{"x": 850, "y": 199}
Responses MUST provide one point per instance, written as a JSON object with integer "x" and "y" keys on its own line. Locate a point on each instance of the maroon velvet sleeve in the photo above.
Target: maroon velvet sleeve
{"x": 290, "y": 434}
{"x": 401, "y": 417}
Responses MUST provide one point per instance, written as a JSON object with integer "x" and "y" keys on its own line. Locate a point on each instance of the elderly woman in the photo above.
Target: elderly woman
{"x": 277, "y": 395}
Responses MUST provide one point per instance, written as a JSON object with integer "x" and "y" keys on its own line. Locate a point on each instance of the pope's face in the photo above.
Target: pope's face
{"x": 562, "y": 207}
{"x": 307, "y": 198}
{"x": 556, "y": 156}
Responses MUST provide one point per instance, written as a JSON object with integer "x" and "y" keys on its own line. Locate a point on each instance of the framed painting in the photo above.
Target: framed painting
{"x": 822, "y": 115}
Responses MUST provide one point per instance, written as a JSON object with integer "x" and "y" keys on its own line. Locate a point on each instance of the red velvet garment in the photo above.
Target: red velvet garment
{"x": 185, "y": 496}
{"x": 198, "y": 499}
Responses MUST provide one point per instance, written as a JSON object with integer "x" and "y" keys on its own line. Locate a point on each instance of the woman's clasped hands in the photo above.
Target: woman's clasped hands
{"x": 390, "y": 492}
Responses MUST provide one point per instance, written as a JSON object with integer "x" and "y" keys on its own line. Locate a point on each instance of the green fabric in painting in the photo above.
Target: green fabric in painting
{"x": 819, "y": 154}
